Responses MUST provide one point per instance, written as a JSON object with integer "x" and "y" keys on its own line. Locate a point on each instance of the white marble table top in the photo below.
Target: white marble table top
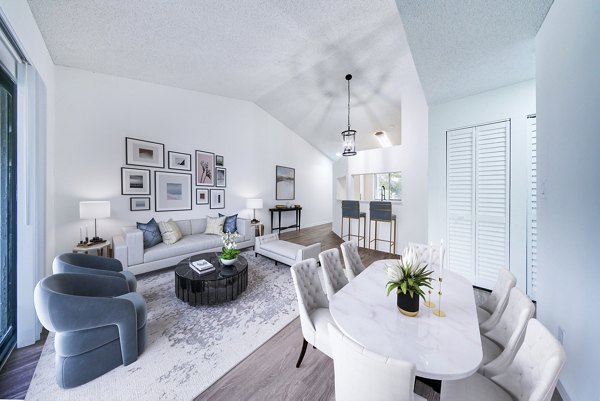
{"x": 447, "y": 348}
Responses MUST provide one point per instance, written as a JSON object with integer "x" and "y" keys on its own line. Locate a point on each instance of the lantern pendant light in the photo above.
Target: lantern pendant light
{"x": 348, "y": 136}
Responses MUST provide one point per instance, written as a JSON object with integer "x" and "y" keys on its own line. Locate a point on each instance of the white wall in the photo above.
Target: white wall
{"x": 568, "y": 145}
{"x": 95, "y": 112}
{"x": 513, "y": 102}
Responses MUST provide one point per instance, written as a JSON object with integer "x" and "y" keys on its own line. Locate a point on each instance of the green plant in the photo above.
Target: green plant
{"x": 229, "y": 253}
{"x": 409, "y": 275}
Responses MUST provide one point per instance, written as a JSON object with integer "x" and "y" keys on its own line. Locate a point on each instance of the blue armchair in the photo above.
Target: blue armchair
{"x": 91, "y": 264}
{"x": 99, "y": 324}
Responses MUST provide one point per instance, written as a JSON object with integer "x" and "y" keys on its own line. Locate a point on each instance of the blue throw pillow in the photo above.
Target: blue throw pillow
{"x": 230, "y": 225}
{"x": 151, "y": 233}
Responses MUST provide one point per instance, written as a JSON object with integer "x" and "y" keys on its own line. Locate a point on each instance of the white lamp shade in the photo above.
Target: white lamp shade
{"x": 94, "y": 209}
{"x": 254, "y": 204}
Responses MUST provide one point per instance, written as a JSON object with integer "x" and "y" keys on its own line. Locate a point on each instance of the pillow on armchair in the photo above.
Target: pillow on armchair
{"x": 214, "y": 225}
{"x": 230, "y": 225}
{"x": 151, "y": 233}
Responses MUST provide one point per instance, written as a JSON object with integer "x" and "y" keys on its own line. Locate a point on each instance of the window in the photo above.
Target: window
{"x": 387, "y": 186}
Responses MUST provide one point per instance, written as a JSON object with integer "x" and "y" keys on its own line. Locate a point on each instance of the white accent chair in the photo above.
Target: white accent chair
{"x": 490, "y": 311}
{"x": 422, "y": 251}
{"x": 285, "y": 252}
{"x": 532, "y": 376}
{"x": 364, "y": 375}
{"x": 502, "y": 342}
{"x": 334, "y": 278}
{"x": 313, "y": 307}
{"x": 352, "y": 262}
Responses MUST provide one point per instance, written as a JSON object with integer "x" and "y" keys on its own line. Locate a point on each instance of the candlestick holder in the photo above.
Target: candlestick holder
{"x": 439, "y": 312}
{"x": 428, "y": 303}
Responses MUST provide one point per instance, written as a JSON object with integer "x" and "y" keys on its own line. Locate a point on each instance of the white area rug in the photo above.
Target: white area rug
{"x": 189, "y": 348}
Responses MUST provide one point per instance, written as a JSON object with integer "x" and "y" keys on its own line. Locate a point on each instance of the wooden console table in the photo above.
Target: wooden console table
{"x": 298, "y": 211}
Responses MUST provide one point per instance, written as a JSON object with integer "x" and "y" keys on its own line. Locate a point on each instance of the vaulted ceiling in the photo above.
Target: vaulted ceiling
{"x": 290, "y": 57}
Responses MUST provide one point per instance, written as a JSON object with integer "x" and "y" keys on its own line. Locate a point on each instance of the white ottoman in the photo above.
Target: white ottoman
{"x": 285, "y": 252}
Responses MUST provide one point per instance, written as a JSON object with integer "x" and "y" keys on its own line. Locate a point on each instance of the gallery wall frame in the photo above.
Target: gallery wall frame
{"x": 285, "y": 183}
{"x": 202, "y": 195}
{"x": 172, "y": 191}
{"x": 219, "y": 161}
{"x": 139, "y": 152}
{"x": 205, "y": 168}
{"x": 135, "y": 181}
{"x": 179, "y": 161}
{"x": 217, "y": 199}
{"x": 221, "y": 173}
{"x": 139, "y": 203}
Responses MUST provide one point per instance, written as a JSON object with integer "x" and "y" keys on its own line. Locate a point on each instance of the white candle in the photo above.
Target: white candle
{"x": 442, "y": 251}
{"x": 80, "y": 234}
{"x": 430, "y": 253}
{"x": 86, "y": 234}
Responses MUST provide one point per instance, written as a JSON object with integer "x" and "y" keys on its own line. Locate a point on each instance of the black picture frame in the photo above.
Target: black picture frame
{"x": 202, "y": 172}
{"x": 213, "y": 194}
{"x": 130, "y": 156}
{"x": 160, "y": 198}
{"x": 143, "y": 171}
{"x": 217, "y": 180}
{"x": 219, "y": 161}
{"x": 173, "y": 166}
{"x": 136, "y": 198}
{"x": 207, "y": 192}
{"x": 284, "y": 178}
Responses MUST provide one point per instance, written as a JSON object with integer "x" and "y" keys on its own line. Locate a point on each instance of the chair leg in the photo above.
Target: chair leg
{"x": 304, "y": 344}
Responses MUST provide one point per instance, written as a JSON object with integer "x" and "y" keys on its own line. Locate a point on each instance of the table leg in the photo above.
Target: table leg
{"x": 299, "y": 218}
{"x": 279, "y": 221}
{"x": 271, "y": 222}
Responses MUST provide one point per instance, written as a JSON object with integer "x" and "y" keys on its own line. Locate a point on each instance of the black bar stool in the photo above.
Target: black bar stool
{"x": 351, "y": 211}
{"x": 382, "y": 212}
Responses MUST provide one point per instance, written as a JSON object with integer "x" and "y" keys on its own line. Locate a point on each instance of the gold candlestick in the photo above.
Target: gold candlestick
{"x": 439, "y": 312}
{"x": 428, "y": 303}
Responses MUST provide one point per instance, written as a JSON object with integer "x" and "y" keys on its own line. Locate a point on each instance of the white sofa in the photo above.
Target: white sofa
{"x": 285, "y": 252}
{"x": 128, "y": 246}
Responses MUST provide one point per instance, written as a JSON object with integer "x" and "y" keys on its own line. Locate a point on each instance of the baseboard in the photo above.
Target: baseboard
{"x": 563, "y": 393}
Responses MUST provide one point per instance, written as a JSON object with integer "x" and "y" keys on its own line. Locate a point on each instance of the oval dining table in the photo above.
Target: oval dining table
{"x": 442, "y": 348}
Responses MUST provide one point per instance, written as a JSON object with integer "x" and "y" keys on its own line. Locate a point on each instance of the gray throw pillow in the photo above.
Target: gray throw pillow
{"x": 151, "y": 233}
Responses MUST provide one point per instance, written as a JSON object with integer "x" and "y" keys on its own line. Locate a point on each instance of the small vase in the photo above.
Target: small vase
{"x": 408, "y": 305}
{"x": 228, "y": 262}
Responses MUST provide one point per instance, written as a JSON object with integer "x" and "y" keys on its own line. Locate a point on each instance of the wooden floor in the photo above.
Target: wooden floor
{"x": 19, "y": 368}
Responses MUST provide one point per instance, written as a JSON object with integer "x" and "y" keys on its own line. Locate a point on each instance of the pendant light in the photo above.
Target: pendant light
{"x": 348, "y": 136}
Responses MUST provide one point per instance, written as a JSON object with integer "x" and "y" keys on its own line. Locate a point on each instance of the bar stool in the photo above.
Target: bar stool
{"x": 351, "y": 211}
{"x": 382, "y": 212}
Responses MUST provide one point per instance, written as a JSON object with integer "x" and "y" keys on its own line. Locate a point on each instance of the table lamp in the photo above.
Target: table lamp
{"x": 94, "y": 210}
{"x": 254, "y": 204}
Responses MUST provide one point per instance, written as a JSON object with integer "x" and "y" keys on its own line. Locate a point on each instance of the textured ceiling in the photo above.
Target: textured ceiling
{"x": 463, "y": 47}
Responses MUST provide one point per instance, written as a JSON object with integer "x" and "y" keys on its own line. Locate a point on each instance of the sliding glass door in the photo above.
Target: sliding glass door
{"x": 8, "y": 215}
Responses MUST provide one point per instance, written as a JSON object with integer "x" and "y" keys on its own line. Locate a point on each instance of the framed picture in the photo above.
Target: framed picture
{"x": 217, "y": 199}
{"x": 144, "y": 153}
{"x": 201, "y": 196}
{"x": 136, "y": 204}
{"x": 173, "y": 191}
{"x": 180, "y": 161}
{"x": 205, "y": 168}
{"x": 219, "y": 161}
{"x": 285, "y": 183}
{"x": 135, "y": 181}
{"x": 221, "y": 176}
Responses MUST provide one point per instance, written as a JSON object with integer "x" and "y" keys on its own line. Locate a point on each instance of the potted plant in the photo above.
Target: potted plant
{"x": 407, "y": 277}
{"x": 229, "y": 251}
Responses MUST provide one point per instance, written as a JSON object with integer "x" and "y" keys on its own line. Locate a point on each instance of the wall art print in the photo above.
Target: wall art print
{"x": 139, "y": 203}
{"x": 180, "y": 161}
{"x": 205, "y": 168}
{"x": 220, "y": 161}
{"x": 135, "y": 181}
{"x": 285, "y": 183}
{"x": 221, "y": 176}
{"x": 217, "y": 199}
{"x": 144, "y": 153}
{"x": 201, "y": 196}
{"x": 173, "y": 191}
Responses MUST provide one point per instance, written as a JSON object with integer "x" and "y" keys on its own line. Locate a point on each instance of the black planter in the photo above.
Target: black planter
{"x": 408, "y": 305}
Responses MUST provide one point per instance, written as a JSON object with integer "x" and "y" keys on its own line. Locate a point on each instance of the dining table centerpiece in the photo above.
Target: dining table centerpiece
{"x": 408, "y": 276}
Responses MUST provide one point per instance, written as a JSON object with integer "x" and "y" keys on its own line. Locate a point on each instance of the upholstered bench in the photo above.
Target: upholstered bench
{"x": 285, "y": 252}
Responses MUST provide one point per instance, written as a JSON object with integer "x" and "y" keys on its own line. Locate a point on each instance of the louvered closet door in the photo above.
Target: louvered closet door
{"x": 532, "y": 213}
{"x": 460, "y": 201}
{"x": 492, "y": 192}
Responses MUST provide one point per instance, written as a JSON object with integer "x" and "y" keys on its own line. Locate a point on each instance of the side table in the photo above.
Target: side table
{"x": 259, "y": 229}
{"x": 101, "y": 248}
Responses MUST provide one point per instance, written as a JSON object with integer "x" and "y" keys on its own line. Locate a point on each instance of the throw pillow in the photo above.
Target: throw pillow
{"x": 230, "y": 225}
{"x": 214, "y": 225}
{"x": 151, "y": 233}
{"x": 170, "y": 232}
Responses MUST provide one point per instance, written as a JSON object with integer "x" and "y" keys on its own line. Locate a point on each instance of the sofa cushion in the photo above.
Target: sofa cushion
{"x": 195, "y": 243}
{"x": 230, "y": 225}
{"x": 170, "y": 232}
{"x": 151, "y": 233}
{"x": 198, "y": 226}
{"x": 185, "y": 227}
{"x": 283, "y": 248}
{"x": 214, "y": 225}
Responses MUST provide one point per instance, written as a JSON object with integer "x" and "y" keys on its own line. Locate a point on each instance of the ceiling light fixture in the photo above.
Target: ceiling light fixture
{"x": 383, "y": 139}
{"x": 348, "y": 136}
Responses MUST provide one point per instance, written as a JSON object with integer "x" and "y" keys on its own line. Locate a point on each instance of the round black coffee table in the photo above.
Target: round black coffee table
{"x": 223, "y": 284}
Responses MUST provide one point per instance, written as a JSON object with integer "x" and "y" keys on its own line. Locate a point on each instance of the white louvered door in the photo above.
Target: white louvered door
{"x": 532, "y": 212}
{"x": 478, "y": 194}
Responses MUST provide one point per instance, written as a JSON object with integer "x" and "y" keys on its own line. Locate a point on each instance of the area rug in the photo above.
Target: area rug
{"x": 189, "y": 348}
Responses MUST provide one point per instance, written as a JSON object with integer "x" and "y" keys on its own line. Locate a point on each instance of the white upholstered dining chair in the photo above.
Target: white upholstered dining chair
{"x": 352, "y": 262}
{"x": 502, "y": 342}
{"x": 490, "y": 311}
{"x": 361, "y": 374}
{"x": 313, "y": 307}
{"x": 423, "y": 252}
{"x": 532, "y": 375}
{"x": 333, "y": 272}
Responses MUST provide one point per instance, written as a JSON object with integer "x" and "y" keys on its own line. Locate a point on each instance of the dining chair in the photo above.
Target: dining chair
{"x": 333, "y": 272}
{"x": 502, "y": 342}
{"x": 490, "y": 311}
{"x": 352, "y": 262}
{"x": 361, "y": 374}
{"x": 313, "y": 307}
{"x": 532, "y": 375}
{"x": 422, "y": 251}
